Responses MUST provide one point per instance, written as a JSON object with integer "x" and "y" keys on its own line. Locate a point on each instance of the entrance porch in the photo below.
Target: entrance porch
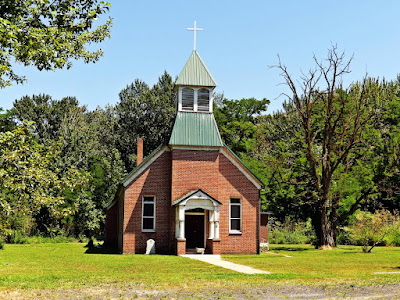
{"x": 193, "y": 212}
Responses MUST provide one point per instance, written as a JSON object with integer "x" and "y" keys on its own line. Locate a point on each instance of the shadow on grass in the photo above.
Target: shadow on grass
{"x": 283, "y": 248}
{"x": 101, "y": 250}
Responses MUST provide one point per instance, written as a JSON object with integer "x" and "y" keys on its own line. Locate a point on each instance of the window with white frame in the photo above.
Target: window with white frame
{"x": 235, "y": 215}
{"x": 203, "y": 100}
{"x": 149, "y": 213}
{"x": 187, "y": 99}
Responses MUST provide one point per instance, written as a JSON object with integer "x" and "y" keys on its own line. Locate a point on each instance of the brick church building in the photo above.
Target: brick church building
{"x": 192, "y": 191}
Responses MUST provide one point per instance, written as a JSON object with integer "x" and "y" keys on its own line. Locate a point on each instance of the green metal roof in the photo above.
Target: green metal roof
{"x": 195, "y": 73}
{"x": 195, "y": 129}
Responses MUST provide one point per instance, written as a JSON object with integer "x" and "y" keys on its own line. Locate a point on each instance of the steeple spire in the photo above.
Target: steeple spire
{"x": 195, "y": 84}
{"x": 194, "y": 29}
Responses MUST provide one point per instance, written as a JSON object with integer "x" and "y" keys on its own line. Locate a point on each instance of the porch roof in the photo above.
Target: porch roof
{"x": 200, "y": 194}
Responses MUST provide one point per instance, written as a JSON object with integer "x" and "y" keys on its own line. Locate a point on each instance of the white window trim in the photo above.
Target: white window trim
{"x": 181, "y": 108}
{"x": 234, "y": 231}
{"x": 154, "y": 213}
{"x": 211, "y": 100}
{"x": 195, "y": 99}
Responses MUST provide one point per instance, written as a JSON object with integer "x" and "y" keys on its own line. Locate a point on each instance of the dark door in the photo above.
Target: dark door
{"x": 194, "y": 231}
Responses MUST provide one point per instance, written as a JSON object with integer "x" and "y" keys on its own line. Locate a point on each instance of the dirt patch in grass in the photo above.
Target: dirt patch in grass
{"x": 117, "y": 291}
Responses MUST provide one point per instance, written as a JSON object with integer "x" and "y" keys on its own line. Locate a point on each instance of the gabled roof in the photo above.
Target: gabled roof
{"x": 195, "y": 129}
{"x": 199, "y": 193}
{"x": 195, "y": 73}
{"x": 242, "y": 167}
{"x": 143, "y": 165}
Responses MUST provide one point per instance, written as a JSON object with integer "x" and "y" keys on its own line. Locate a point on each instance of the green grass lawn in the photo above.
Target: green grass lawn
{"x": 68, "y": 266}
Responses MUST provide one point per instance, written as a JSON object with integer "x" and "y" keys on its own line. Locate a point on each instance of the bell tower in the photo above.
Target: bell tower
{"x": 194, "y": 124}
{"x": 195, "y": 84}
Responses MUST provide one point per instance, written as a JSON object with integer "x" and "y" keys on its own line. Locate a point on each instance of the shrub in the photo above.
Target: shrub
{"x": 1, "y": 244}
{"x": 46, "y": 239}
{"x": 17, "y": 237}
{"x": 344, "y": 237}
{"x": 291, "y": 232}
{"x": 372, "y": 229}
{"x": 393, "y": 239}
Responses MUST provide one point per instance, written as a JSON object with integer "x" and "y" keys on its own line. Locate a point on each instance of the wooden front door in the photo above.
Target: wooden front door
{"x": 194, "y": 231}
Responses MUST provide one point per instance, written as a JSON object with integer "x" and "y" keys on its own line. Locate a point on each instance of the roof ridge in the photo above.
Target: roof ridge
{"x": 204, "y": 65}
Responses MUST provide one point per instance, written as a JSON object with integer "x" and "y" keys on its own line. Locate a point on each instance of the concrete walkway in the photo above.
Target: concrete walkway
{"x": 216, "y": 260}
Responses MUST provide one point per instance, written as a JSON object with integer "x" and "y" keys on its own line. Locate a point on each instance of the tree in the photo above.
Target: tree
{"x": 278, "y": 151}
{"x": 237, "y": 120}
{"x": 6, "y": 120}
{"x": 344, "y": 155}
{"x": 29, "y": 180}
{"x": 46, "y": 112}
{"x": 87, "y": 142}
{"x": 48, "y": 34}
{"x": 89, "y": 145}
{"x": 371, "y": 229}
{"x": 144, "y": 112}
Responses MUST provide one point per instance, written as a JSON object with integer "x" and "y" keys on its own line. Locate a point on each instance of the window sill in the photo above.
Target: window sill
{"x": 144, "y": 230}
{"x": 235, "y": 232}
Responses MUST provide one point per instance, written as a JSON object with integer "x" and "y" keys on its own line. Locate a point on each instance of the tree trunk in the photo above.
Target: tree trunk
{"x": 334, "y": 220}
{"x": 326, "y": 238}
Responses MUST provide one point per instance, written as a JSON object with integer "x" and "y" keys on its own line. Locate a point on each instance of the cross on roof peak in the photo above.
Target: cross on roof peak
{"x": 194, "y": 29}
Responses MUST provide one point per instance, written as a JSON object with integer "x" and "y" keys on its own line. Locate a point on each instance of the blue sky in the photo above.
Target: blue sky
{"x": 240, "y": 40}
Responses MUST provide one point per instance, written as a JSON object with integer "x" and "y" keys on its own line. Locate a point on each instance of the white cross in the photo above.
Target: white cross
{"x": 195, "y": 29}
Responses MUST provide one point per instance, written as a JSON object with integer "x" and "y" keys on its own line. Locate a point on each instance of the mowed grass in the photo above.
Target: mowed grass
{"x": 345, "y": 264}
{"x": 38, "y": 266}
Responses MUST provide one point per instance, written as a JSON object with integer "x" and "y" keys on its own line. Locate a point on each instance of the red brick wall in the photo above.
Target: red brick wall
{"x": 111, "y": 230}
{"x": 264, "y": 228}
{"x": 155, "y": 180}
{"x": 215, "y": 174}
{"x": 168, "y": 180}
{"x": 192, "y": 170}
{"x": 232, "y": 183}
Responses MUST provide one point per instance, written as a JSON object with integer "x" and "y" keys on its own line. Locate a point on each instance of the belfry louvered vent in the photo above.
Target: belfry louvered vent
{"x": 203, "y": 100}
{"x": 187, "y": 99}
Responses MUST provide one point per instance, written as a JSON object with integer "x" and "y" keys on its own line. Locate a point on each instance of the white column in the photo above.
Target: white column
{"x": 216, "y": 226}
{"x": 181, "y": 222}
{"x": 216, "y": 234}
{"x": 182, "y": 229}
{"x": 176, "y": 222}
{"x": 211, "y": 220}
{"x": 195, "y": 98}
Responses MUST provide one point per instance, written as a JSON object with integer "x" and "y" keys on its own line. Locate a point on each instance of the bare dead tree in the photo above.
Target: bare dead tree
{"x": 342, "y": 115}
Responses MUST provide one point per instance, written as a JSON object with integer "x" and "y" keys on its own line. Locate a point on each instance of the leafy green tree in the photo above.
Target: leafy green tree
{"x": 29, "y": 180}
{"x": 89, "y": 144}
{"x": 48, "y": 34}
{"x": 237, "y": 120}
{"x": 280, "y": 163}
{"x": 46, "y": 112}
{"x": 144, "y": 112}
{"x": 6, "y": 120}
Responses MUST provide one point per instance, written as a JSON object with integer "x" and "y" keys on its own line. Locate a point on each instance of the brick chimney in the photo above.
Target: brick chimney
{"x": 139, "y": 156}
